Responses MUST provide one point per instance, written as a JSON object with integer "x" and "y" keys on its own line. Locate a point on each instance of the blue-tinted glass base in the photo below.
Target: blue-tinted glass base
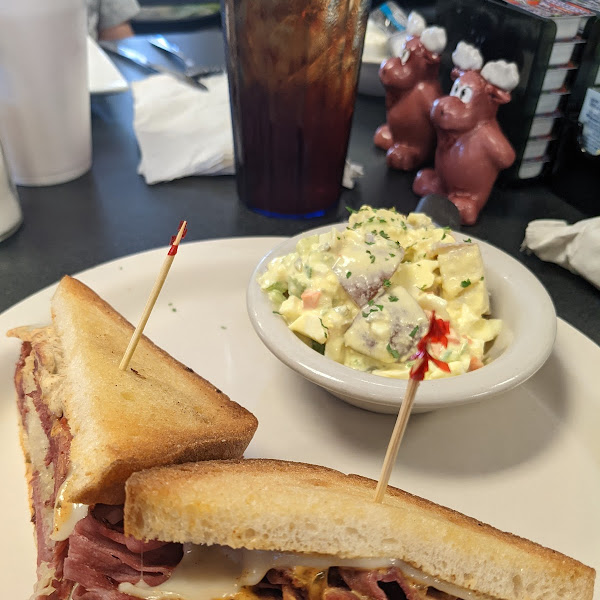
{"x": 269, "y": 213}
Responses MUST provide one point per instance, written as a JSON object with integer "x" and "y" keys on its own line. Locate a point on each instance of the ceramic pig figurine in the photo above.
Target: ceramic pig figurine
{"x": 471, "y": 148}
{"x": 411, "y": 85}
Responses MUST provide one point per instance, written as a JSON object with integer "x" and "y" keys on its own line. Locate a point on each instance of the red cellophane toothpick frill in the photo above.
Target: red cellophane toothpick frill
{"x": 437, "y": 334}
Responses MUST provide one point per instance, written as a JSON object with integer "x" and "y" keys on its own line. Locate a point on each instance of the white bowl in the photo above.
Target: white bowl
{"x": 524, "y": 344}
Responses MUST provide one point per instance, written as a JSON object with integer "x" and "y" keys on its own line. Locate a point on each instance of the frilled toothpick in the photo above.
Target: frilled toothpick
{"x": 437, "y": 333}
{"x": 137, "y": 334}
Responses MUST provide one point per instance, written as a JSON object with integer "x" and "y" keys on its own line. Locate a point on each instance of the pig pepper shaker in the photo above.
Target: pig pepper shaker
{"x": 411, "y": 85}
{"x": 471, "y": 148}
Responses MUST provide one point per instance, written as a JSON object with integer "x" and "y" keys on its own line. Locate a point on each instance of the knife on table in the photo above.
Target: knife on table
{"x": 143, "y": 61}
{"x": 191, "y": 68}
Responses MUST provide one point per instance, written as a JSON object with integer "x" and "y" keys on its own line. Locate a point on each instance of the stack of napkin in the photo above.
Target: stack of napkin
{"x": 575, "y": 247}
{"x": 183, "y": 130}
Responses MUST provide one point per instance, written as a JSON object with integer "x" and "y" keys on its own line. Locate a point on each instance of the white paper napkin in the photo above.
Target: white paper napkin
{"x": 575, "y": 247}
{"x": 183, "y": 130}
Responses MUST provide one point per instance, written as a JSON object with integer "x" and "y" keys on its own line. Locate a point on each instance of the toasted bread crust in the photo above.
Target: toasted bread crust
{"x": 157, "y": 412}
{"x": 295, "y": 507}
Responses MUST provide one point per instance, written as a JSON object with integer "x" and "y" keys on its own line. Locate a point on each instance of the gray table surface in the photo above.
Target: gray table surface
{"x": 110, "y": 212}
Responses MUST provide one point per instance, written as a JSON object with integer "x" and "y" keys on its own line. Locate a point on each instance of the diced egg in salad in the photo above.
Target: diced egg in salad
{"x": 363, "y": 296}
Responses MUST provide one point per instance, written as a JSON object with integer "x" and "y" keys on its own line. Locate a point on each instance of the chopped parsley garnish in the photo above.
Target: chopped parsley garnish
{"x": 465, "y": 283}
{"x": 351, "y": 210}
{"x": 382, "y": 221}
{"x": 371, "y": 302}
{"x": 384, "y": 235}
{"x": 387, "y": 283}
{"x": 481, "y": 278}
{"x": 393, "y": 298}
{"x": 308, "y": 271}
{"x": 324, "y": 327}
{"x": 403, "y": 224}
{"x": 444, "y": 235}
{"x": 468, "y": 241}
{"x": 372, "y": 309}
{"x": 414, "y": 331}
{"x": 370, "y": 219}
{"x": 423, "y": 287}
{"x": 320, "y": 348}
{"x": 392, "y": 254}
{"x": 276, "y": 312}
{"x": 393, "y": 352}
{"x": 348, "y": 274}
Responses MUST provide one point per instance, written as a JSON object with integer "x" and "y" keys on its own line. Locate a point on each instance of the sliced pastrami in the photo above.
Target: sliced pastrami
{"x": 101, "y": 556}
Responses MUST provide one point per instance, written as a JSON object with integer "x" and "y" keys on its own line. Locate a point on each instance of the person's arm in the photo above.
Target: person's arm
{"x": 114, "y": 16}
{"x": 118, "y": 32}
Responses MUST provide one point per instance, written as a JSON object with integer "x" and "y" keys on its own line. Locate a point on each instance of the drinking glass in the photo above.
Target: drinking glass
{"x": 45, "y": 122}
{"x": 293, "y": 68}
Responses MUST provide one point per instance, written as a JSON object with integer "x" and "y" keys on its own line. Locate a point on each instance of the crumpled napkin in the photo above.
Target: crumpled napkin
{"x": 183, "y": 130}
{"x": 575, "y": 247}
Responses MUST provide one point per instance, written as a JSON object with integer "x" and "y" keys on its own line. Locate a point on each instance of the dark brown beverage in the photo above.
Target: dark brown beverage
{"x": 293, "y": 69}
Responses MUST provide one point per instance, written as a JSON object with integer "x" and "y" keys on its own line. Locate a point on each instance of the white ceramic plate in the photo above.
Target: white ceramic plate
{"x": 103, "y": 75}
{"x": 527, "y": 461}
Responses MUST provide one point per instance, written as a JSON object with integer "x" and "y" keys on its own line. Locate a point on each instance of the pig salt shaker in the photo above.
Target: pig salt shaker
{"x": 411, "y": 85}
{"x": 471, "y": 148}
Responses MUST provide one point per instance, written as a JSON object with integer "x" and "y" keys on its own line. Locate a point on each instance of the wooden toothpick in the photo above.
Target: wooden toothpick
{"x": 397, "y": 435}
{"x": 137, "y": 334}
{"x": 436, "y": 333}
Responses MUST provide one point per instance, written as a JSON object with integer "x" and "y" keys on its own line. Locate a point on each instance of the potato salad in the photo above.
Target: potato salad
{"x": 363, "y": 296}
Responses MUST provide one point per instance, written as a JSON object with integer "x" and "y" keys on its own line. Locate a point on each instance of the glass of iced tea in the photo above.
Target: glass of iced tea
{"x": 293, "y": 69}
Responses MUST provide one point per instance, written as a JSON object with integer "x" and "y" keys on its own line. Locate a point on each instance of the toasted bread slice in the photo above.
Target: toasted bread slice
{"x": 156, "y": 412}
{"x": 300, "y": 508}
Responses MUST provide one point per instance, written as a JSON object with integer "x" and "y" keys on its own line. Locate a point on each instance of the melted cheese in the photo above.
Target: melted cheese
{"x": 212, "y": 572}
{"x": 66, "y": 515}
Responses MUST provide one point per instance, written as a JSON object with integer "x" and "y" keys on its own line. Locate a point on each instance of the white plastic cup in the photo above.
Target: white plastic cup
{"x": 45, "y": 123}
{"x": 11, "y": 216}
